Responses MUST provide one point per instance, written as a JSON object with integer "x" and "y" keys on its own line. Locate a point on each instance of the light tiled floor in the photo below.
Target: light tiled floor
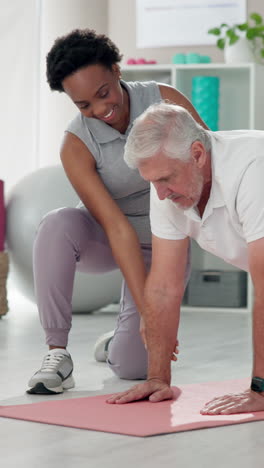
{"x": 212, "y": 347}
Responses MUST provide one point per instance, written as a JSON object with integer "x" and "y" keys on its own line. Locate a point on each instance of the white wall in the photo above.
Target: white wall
{"x": 122, "y": 30}
{"x": 32, "y": 118}
{"x": 59, "y": 17}
{"x": 18, "y": 51}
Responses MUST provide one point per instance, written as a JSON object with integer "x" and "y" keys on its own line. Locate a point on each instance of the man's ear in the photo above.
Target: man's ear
{"x": 198, "y": 153}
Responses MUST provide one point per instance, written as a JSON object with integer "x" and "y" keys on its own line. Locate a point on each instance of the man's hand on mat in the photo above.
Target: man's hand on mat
{"x": 245, "y": 402}
{"x": 142, "y": 330}
{"x": 154, "y": 390}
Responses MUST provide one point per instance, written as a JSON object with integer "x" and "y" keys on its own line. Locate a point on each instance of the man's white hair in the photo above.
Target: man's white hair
{"x": 165, "y": 128}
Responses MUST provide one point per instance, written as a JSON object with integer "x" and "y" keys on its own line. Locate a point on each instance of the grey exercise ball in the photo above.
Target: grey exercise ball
{"x": 30, "y": 199}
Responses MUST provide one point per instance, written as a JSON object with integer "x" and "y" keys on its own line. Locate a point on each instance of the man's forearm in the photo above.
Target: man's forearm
{"x": 258, "y": 338}
{"x": 161, "y": 315}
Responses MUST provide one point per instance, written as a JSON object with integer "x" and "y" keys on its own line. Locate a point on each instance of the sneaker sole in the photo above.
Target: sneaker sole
{"x": 41, "y": 389}
{"x": 100, "y": 354}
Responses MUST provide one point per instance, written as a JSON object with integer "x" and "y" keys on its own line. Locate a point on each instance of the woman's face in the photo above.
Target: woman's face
{"x": 97, "y": 92}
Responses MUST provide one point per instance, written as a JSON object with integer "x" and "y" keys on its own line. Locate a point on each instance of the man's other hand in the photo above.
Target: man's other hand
{"x": 245, "y": 402}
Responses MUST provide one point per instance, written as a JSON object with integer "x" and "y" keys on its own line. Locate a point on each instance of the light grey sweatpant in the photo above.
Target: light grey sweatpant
{"x": 70, "y": 239}
{"x": 67, "y": 240}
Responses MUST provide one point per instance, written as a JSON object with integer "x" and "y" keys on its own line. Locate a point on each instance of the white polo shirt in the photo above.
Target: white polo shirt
{"x": 234, "y": 214}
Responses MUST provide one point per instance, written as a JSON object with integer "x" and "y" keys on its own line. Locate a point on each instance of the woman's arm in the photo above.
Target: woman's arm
{"x": 175, "y": 97}
{"x": 80, "y": 168}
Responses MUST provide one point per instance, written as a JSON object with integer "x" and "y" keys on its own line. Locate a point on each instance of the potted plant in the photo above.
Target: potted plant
{"x": 241, "y": 42}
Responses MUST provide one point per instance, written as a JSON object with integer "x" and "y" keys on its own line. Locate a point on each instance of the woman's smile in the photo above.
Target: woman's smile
{"x": 110, "y": 116}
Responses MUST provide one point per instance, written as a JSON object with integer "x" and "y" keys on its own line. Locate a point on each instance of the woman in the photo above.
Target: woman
{"x": 110, "y": 228}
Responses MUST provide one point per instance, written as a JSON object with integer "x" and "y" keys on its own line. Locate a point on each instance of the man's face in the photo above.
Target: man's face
{"x": 181, "y": 182}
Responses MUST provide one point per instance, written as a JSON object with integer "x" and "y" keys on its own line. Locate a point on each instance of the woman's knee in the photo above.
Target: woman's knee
{"x": 128, "y": 363}
{"x": 55, "y": 226}
{"x": 129, "y": 371}
{"x": 54, "y": 232}
{"x": 60, "y": 220}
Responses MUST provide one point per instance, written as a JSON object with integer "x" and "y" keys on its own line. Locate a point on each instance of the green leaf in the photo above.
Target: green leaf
{"x": 256, "y": 17}
{"x": 262, "y": 53}
{"x": 215, "y": 31}
{"x": 251, "y": 33}
{"x": 242, "y": 27}
{"x": 233, "y": 39}
{"x": 224, "y": 25}
{"x": 231, "y": 33}
{"x": 232, "y": 36}
{"x": 221, "y": 43}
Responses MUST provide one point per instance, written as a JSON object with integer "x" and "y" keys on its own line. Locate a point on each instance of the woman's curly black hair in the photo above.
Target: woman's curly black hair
{"x": 78, "y": 49}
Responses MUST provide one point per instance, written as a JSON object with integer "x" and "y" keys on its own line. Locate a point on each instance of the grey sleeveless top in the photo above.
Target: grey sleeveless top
{"x": 127, "y": 188}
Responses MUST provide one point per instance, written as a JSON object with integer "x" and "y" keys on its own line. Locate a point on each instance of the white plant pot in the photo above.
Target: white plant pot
{"x": 239, "y": 52}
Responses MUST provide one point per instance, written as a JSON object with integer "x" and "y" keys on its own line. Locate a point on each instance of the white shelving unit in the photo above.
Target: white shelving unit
{"x": 241, "y": 106}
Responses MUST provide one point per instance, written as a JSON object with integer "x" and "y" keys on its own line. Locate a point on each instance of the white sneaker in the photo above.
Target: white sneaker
{"x": 101, "y": 346}
{"x": 55, "y": 374}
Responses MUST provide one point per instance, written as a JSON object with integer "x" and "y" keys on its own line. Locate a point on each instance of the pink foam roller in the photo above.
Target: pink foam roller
{"x": 131, "y": 61}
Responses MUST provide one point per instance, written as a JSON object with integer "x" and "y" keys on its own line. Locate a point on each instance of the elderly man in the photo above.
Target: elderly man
{"x": 207, "y": 186}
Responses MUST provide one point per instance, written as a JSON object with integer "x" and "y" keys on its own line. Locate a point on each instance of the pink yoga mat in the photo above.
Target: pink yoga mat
{"x": 2, "y": 216}
{"x": 138, "y": 419}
